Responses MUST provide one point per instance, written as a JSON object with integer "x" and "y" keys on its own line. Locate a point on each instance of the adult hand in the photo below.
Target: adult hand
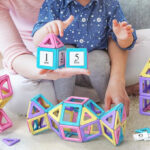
{"x": 116, "y": 94}
{"x": 62, "y": 73}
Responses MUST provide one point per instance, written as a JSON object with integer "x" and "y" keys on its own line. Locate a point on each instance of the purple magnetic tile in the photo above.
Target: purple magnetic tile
{"x": 143, "y": 90}
{"x": 106, "y": 132}
{"x": 96, "y": 111}
{"x": 10, "y": 142}
{"x": 104, "y": 119}
{"x": 141, "y": 108}
{"x": 148, "y": 72}
{"x": 41, "y": 111}
{"x": 146, "y": 108}
{"x": 90, "y": 137}
{"x": 69, "y": 108}
{"x": 52, "y": 127}
{"x": 41, "y": 123}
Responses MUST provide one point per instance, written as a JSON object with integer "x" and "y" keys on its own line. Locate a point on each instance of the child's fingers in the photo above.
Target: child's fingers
{"x": 55, "y": 28}
{"x": 123, "y": 24}
{"x": 49, "y": 28}
{"x": 115, "y": 23}
{"x": 130, "y": 35}
{"x": 128, "y": 27}
{"x": 60, "y": 28}
{"x": 68, "y": 21}
{"x": 130, "y": 31}
{"x": 107, "y": 103}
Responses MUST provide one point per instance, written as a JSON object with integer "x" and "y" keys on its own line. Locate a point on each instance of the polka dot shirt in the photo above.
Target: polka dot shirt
{"x": 92, "y": 24}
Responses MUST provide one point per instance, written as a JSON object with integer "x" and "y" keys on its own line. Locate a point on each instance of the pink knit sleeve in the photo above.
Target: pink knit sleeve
{"x": 11, "y": 44}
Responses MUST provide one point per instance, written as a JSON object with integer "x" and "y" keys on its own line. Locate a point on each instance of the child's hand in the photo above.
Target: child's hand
{"x": 62, "y": 73}
{"x": 122, "y": 30}
{"x": 116, "y": 94}
{"x": 57, "y": 26}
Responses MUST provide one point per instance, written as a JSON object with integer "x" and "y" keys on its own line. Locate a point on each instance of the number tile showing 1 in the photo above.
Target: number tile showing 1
{"x": 46, "y": 58}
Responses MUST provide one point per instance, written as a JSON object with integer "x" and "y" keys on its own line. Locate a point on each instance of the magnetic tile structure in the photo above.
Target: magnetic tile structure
{"x": 52, "y": 55}
{"x": 77, "y": 119}
{"x": 5, "y": 95}
{"x": 144, "y": 90}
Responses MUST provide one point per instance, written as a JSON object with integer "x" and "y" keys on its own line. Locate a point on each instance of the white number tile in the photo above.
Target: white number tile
{"x": 76, "y": 58}
{"x": 46, "y": 58}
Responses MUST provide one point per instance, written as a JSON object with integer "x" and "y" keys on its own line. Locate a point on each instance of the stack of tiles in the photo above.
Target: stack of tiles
{"x": 76, "y": 119}
{"x": 113, "y": 124}
{"x": 37, "y": 116}
{"x": 80, "y": 119}
{"x": 5, "y": 95}
{"x": 144, "y": 98}
{"x": 52, "y": 55}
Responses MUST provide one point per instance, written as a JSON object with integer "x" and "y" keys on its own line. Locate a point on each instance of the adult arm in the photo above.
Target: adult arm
{"x": 17, "y": 57}
{"x": 12, "y": 46}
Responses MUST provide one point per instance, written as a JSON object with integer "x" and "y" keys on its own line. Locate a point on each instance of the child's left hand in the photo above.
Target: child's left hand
{"x": 116, "y": 94}
{"x": 122, "y": 30}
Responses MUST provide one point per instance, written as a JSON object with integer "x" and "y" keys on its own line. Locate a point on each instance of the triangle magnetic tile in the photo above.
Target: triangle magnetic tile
{"x": 51, "y": 41}
{"x": 10, "y": 142}
{"x": 90, "y": 116}
{"x": 55, "y": 112}
{"x": 112, "y": 116}
{"x": 117, "y": 121}
{"x": 34, "y": 110}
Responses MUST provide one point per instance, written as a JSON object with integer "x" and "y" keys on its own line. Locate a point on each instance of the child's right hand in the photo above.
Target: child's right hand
{"x": 57, "y": 26}
{"x": 62, "y": 73}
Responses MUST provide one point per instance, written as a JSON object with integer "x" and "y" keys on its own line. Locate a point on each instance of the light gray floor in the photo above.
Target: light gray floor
{"x": 50, "y": 141}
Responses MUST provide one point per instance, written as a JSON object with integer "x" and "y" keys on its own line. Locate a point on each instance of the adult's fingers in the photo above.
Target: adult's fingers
{"x": 68, "y": 21}
{"x": 81, "y": 71}
{"x": 73, "y": 71}
{"x": 44, "y": 71}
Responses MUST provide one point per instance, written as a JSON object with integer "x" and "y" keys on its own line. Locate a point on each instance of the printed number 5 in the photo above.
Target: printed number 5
{"x": 76, "y": 61}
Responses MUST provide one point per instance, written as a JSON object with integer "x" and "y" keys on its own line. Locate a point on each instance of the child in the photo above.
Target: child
{"x": 92, "y": 24}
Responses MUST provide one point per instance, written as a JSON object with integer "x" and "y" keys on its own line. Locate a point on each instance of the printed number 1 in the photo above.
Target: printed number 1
{"x": 46, "y": 59}
{"x": 76, "y": 61}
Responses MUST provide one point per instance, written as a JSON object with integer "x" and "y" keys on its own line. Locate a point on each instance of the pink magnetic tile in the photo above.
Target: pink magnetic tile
{"x": 77, "y": 129}
{"x": 84, "y": 100}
